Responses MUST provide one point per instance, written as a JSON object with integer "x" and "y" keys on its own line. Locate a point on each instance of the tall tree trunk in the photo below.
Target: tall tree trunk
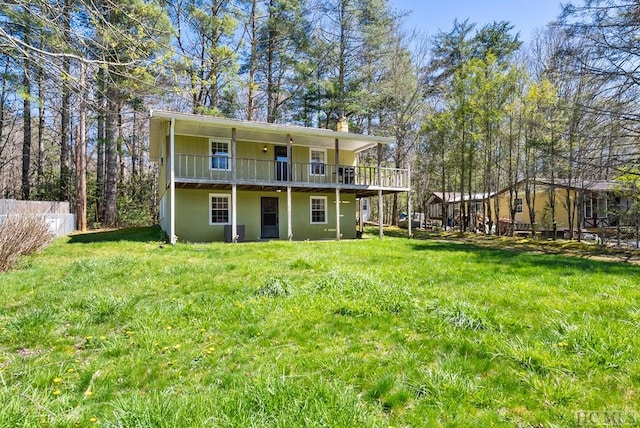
{"x": 64, "y": 138}
{"x": 445, "y": 204}
{"x": 462, "y": 212}
{"x": 530, "y": 187}
{"x": 40, "y": 166}
{"x": 100, "y": 142}
{"x": 271, "y": 42}
{"x": 398, "y": 164}
{"x": 81, "y": 155}
{"x": 111, "y": 158}
{"x": 216, "y": 70}
{"x": 552, "y": 194}
{"x": 119, "y": 146}
{"x": 470, "y": 169}
{"x": 253, "y": 28}
{"x": 140, "y": 148}
{"x": 64, "y": 113}
{"x": 3, "y": 97}
{"x": 394, "y": 210}
{"x": 342, "y": 58}
{"x": 133, "y": 151}
{"x": 26, "y": 118}
{"x": 570, "y": 177}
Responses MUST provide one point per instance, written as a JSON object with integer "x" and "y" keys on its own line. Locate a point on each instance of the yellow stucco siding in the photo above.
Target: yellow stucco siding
{"x": 544, "y": 219}
{"x": 193, "y": 215}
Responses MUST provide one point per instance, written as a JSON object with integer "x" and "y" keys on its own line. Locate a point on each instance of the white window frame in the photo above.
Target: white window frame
{"x": 312, "y": 163}
{"x": 588, "y": 204}
{"x": 602, "y": 206}
{"x": 519, "y": 203}
{"x": 213, "y": 141}
{"x": 219, "y": 195}
{"x": 326, "y": 209}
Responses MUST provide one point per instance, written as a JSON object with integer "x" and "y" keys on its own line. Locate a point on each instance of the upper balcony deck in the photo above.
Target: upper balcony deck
{"x": 217, "y": 171}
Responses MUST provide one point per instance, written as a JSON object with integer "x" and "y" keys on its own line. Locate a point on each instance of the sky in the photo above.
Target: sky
{"x": 428, "y": 16}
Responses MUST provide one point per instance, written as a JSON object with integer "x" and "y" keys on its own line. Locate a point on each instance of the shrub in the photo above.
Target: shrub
{"x": 21, "y": 234}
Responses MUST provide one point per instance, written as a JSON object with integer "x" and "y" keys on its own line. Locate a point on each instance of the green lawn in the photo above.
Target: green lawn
{"x": 120, "y": 329}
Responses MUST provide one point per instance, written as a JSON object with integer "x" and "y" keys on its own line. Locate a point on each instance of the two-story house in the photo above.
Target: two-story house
{"x": 223, "y": 179}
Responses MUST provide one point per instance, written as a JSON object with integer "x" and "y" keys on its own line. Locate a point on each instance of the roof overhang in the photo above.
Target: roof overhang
{"x": 455, "y": 197}
{"x": 259, "y": 132}
{"x": 576, "y": 185}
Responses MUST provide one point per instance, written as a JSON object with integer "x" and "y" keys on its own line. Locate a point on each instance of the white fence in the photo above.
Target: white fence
{"x": 56, "y": 214}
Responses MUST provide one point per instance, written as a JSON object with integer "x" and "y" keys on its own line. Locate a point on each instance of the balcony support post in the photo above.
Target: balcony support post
{"x": 172, "y": 182}
{"x": 337, "y": 161}
{"x": 380, "y": 205}
{"x": 409, "y": 202}
{"x": 289, "y": 230}
{"x": 361, "y": 215}
{"x": 234, "y": 190}
{"x": 338, "y": 234}
{"x": 289, "y": 156}
{"x": 289, "y": 165}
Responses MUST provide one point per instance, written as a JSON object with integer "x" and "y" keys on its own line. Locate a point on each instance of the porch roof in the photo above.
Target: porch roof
{"x": 260, "y": 132}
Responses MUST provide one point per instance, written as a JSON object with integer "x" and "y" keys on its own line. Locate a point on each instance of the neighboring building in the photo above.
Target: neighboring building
{"x": 231, "y": 180}
{"x": 450, "y": 202}
{"x": 597, "y": 206}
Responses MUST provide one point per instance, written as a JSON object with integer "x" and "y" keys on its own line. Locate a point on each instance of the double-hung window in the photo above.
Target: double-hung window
{"x": 518, "y": 204}
{"x": 318, "y": 161}
{"x": 601, "y": 204}
{"x": 588, "y": 207}
{"x": 219, "y": 209}
{"x": 219, "y": 151}
{"x": 318, "y": 210}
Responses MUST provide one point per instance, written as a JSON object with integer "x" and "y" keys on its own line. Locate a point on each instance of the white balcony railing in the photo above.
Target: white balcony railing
{"x": 219, "y": 169}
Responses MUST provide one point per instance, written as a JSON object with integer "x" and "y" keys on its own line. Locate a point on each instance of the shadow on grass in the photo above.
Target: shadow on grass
{"x": 521, "y": 257}
{"x": 511, "y": 252}
{"x": 130, "y": 234}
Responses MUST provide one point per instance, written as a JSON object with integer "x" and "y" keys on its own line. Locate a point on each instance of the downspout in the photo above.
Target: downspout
{"x": 172, "y": 183}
